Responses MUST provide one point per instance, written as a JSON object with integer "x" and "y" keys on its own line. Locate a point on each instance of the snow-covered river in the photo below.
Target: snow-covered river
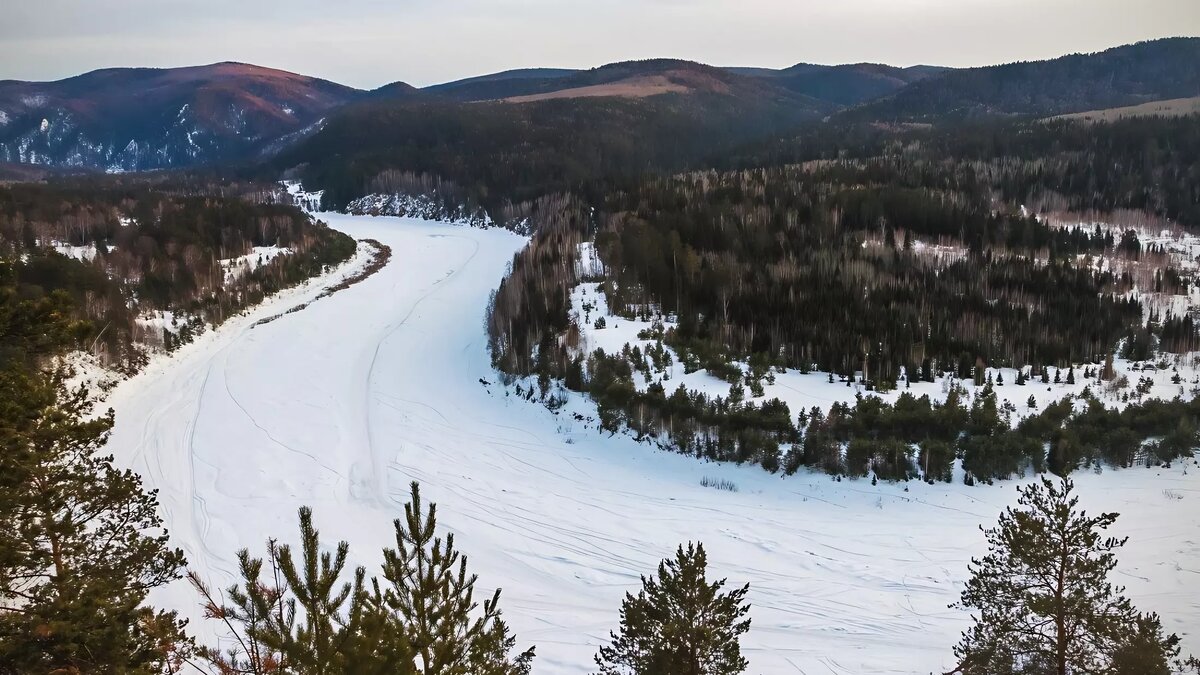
{"x": 339, "y": 406}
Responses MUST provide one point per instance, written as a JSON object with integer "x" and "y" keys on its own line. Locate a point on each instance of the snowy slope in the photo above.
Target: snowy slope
{"x": 340, "y": 405}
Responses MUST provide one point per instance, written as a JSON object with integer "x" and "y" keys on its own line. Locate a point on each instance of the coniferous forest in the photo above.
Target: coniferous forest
{"x": 932, "y": 253}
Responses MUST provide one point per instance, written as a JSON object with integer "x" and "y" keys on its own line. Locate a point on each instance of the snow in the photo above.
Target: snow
{"x": 340, "y": 405}
{"x": 3, "y": 118}
{"x": 45, "y": 126}
{"x": 309, "y": 201}
{"x": 162, "y": 319}
{"x": 802, "y": 391}
{"x": 236, "y": 268}
{"x": 85, "y": 253}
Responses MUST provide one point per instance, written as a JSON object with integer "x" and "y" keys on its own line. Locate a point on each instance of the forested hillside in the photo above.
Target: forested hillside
{"x": 883, "y": 258}
{"x": 494, "y": 154}
{"x": 148, "y": 266}
{"x": 1146, "y": 71}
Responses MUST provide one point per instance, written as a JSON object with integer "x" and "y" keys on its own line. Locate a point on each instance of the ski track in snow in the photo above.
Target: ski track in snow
{"x": 341, "y": 405}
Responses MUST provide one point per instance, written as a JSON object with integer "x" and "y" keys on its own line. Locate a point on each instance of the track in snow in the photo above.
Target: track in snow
{"x": 340, "y": 405}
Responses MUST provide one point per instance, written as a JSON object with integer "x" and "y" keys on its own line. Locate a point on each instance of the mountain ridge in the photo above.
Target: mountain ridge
{"x": 131, "y": 119}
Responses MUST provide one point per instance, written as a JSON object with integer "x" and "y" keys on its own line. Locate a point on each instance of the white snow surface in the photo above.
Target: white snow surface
{"x": 85, "y": 253}
{"x": 236, "y": 268}
{"x": 340, "y": 405}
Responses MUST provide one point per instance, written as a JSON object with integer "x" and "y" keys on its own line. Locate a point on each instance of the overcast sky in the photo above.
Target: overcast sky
{"x": 367, "y": 43}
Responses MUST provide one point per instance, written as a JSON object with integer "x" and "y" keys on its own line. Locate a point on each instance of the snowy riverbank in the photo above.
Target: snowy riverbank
{"x": 340, "y": 405}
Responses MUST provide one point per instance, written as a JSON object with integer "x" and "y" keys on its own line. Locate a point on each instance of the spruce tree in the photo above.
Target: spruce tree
{"x": 679, "y": 623}
{"x": 1041, "y": 599}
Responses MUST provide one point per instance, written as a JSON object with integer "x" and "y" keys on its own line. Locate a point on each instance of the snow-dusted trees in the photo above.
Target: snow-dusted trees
{"x": 1042, "y": 602}
{"x": 679, "y": 623}
{"x": 299, "y": 615}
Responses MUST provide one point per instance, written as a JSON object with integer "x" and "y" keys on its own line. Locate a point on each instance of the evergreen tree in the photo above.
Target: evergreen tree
{"x": 431, "y": 598}
{"x": 1041, "y": 597}
{"x": 82, "y": 543}
{"x": 315, "y": 646}
{"x": 679, "y": 623}
{"x": 298, "y": 616}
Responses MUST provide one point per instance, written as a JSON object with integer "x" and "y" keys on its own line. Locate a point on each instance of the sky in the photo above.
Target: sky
{"x": 368, "y": 43}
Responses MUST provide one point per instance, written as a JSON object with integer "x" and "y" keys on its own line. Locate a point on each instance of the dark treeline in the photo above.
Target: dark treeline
{"x": 824, "y": 269}
{"x": 911, "y": 439}
{"x": 819, "y": 269}
{"x": 494, "y": 154}
{"x": 1149, "y": 164}
{"x": 155, "y": 249}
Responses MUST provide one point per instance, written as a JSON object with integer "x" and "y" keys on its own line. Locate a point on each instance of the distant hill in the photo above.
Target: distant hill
{"x": 396, "y": 91}
{"x": 834, "y": 86}
{"x": 1175, "y": 107}
{"x": 1122, "y": 76}
{"x": 844, "y": 85}
{"x": 144, "y": 118}
{"x": 129, "y": 119}
{"x": 609, "y": 123}
{"x": 628, "y": 79}
{"x": 498, "y": 85}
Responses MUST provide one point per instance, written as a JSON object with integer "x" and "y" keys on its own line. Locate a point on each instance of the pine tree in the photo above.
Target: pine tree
{"x": 81, "y": 542}
{"x": 432, "y": 599}
{"x": 1071, "y": 375}
{"x": 300, "y": 616}
{"x": 1041, "y": 597}
{"x": 315, "y": 646}
{"x": 679, "y": 623}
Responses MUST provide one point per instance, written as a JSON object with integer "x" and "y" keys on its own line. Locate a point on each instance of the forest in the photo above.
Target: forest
{"x": 139, "y": 248}
{"x": 903, "y": 257}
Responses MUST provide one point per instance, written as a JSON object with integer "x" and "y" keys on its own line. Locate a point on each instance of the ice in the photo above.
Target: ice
{"x": 340, "y": 405}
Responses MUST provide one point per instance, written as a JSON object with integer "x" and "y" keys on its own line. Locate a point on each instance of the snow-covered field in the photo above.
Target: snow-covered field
{"x": 340, "y": 405}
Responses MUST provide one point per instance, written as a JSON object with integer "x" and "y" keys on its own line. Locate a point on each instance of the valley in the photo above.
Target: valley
{"x": 340, "y": 405}
{"x": 911, "y": 352}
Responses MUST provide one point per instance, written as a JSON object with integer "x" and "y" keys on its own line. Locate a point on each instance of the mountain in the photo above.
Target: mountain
{"x": 835, "y": 86}
{"x": 559, "y": 133}
{"x": 1122, "y": 76}
{"x": 844, "y": 85}
{"x": 498, "y": 85}
{"x": 628, "y": 79}
{"x": 396, "y": 91}
{"x": 142, "y": 118}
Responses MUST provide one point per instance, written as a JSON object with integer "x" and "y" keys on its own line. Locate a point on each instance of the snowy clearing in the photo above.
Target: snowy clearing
{"x": 236, "y": 268}
{"x": 340, "y": 405}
